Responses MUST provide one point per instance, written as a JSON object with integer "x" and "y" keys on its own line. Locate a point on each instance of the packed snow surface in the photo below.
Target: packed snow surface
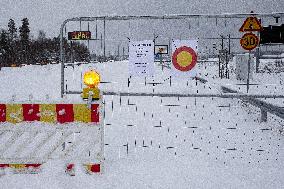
{"x": 155, "y": 142}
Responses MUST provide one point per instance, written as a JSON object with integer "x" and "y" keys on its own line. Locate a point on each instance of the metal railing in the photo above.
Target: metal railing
{"x": 264, "y": 106}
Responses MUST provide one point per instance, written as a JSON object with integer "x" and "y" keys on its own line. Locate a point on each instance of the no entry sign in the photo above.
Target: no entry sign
{"x": 184, "y": 58}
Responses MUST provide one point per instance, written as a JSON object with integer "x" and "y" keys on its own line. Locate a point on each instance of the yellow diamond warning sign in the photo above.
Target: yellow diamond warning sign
{"x": 251, "y": 24}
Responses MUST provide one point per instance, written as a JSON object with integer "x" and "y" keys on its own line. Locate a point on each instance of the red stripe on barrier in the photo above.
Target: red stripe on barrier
{"x": 31, "y": 112}
{"x": 65, "y": 113}
{"x": 95, "y": 114}
{"x": 2, "y": 112}
{"x": 95, "y": 168}
{"x": 4, "y": 165}
{"x": 70, "y": 166}
{"x": 33, "y": 165}
{"x": 70, "y": 169}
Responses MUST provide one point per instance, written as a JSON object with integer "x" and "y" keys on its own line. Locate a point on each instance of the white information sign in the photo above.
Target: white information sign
{"x": 141, "y": 58}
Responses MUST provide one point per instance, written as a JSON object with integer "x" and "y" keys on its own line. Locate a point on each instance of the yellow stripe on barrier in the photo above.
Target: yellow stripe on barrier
{"x": 82, "y": 113}
{"x": 89, "y": 167}
{"x": 14, "y": 113}
{"x": 48, "y": 113}
{"x": 17, "y": 166}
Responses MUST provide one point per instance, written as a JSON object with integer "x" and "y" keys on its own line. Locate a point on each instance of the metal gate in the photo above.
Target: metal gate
{"x": 216, "y": 34}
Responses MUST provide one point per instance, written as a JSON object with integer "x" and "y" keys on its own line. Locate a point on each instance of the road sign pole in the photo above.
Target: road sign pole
{"x": 257, "y": 60}
{"x": 257, "y": 54}
{"x": 104, "y": 40}
{"x": 161, "y": 62}
{"x": 248, "y": 72}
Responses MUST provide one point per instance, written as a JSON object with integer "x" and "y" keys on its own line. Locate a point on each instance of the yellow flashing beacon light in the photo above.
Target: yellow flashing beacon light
{"x": 92, "y": 80}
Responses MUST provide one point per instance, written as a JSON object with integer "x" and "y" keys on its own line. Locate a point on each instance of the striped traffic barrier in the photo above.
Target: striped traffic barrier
{"x": 92, "y": 168}
{"x": 51, "y": 113}
{"x": 54, "y": 114}
{"x": 22, "y": 167}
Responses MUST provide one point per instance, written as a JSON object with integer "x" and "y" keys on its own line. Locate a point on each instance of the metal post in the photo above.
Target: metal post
{"x": 263, "y": 117}
{"x": 104, "y": 39}
{"x": 88, "y": 39}
{"x": 72, "y": 52}
{"x": 101, "y": 41}
{"x": 62, "y": 58}
{"x": 118, "y": 53}
{"x": 248, "y": 73}
{"x": 123, "y": 53}
{"x": 227, "y": 62}
{"x": 161, "y": 61}
{"x": 257, "y": 54}
{"x": 219, "y": 65}
{"x": 96, "y": 29}
{"x": 222, "y": 42}
{"x": 102, "y": 117}
{"x": 229, "y": 45}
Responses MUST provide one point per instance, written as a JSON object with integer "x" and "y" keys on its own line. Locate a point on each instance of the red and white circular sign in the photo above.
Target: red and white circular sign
{"x": 184, "y": 58}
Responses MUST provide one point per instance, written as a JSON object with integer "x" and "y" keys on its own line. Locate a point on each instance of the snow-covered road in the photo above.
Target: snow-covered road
{"x": 155, "y": 142}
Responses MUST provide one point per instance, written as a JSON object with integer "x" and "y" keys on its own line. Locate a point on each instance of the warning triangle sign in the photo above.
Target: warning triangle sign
{"x": 251, "y": 24}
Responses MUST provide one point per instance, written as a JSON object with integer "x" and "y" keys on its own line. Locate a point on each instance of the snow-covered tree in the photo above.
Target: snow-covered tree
{"x": 41, "y": 35}
{"x": 12, "y": 30}
{"x": 24, "y": 40}
{"x": 4, "y": 48}
{"x": 25, "y": 31}
{"x": 12, "y": 33}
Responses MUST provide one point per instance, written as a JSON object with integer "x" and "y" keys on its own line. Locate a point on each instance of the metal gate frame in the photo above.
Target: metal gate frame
{"x": 152, "y": 17}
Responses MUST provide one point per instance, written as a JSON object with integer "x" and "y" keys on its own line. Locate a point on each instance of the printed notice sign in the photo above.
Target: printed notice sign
{"x": 141, "y": 58}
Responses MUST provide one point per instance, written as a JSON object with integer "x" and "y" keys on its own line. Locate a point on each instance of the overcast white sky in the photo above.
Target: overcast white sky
{"x": 49, "y": 14}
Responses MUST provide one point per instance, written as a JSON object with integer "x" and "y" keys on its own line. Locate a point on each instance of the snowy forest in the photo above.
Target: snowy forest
{"x": 18, "y": 47}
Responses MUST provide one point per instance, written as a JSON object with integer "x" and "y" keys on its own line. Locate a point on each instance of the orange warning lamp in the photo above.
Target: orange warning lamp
{"x": 92, "y": 80}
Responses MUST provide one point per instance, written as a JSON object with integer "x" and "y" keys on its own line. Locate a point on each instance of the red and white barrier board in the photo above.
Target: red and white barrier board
{"x": 53, "y": 113}
{"x": 37, "y": 133}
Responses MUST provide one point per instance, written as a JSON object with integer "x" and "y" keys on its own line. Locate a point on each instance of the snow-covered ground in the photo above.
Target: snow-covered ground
{"x": 155, "y": 142}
